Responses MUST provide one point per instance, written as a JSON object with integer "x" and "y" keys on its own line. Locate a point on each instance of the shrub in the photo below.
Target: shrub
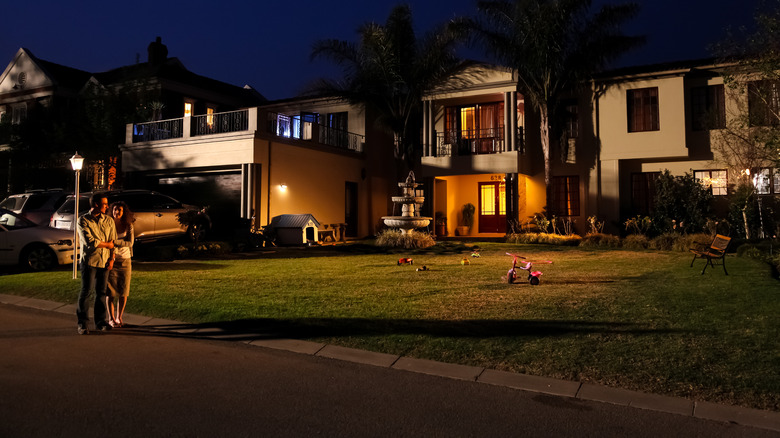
{"x": 600, "y": 240}
{"x": 392, "y": 238}
{"x": 681, "y": 203}
{"x": 545, "y": 239}
{"x": 685, "y": 242}
{"x": 664, "y": 242}
{"x": 636, "y": 241}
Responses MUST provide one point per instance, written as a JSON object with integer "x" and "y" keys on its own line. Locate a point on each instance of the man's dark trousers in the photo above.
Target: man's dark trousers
{"x": 92, "y": 279}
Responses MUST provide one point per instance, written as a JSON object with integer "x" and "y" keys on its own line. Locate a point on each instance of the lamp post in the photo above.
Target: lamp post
{"x": 76, "y": 161}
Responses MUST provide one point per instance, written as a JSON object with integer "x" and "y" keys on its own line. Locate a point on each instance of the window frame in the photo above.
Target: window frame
{"x": 643, "y": 109}
{"x": 708, "y": 107}
{"x": 721, "y": 189}
{"x": 763, "y": 111}
{"x": 565, "y": 196}
{"x": 643, "y": 192}
{"x": 772, "y": 186}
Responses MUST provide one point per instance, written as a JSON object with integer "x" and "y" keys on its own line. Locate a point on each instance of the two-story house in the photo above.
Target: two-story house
{"x": 54, "y": 96}
{"x": 680, "y": 117}
{"x": 482, "y": 144}
{"x": 316, "y": 156}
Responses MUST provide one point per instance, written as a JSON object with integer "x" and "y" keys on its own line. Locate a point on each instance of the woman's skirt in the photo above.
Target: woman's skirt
{"x": 119, "y": 278}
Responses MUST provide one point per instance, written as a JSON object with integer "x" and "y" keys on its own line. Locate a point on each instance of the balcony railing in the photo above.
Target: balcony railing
{"x": 281, "y": 125}
{"x": 220, "y": 123}
{"x": 159, "y": 130}
{"x": 297, "y": 127}
{"x": 473, "y": 142}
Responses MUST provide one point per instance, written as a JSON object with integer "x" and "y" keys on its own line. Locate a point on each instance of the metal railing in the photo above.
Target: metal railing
{"x": 473, "y": 142}
{"x": 220, "y": 123}
{"x": 340, "y": 138}
{"x": 294, "y": 127}
{"x": 159, "y": 130}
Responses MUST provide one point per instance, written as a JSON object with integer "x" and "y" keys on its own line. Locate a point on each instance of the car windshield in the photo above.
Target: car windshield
{"x": 12, "y": 221}
{"x": 67, "y": 207}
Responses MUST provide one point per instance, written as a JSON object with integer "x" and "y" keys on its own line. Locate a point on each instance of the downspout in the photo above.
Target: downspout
{"x": 268, "y": 185}
{"x": 597, "y": 124}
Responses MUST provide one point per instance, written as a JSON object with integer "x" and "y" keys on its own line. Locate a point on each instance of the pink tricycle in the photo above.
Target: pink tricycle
{"x": 533, "y": 276}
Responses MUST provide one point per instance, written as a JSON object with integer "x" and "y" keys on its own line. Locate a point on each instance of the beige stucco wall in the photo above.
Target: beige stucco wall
{"x": 315, "y": 182}
{"x": 669, "y": 141}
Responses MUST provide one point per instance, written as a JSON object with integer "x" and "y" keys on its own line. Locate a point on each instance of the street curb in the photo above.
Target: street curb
{"x": 769, "y": 420}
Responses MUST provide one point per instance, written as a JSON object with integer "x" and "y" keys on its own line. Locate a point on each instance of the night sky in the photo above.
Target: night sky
{"x": 267, "y": 44}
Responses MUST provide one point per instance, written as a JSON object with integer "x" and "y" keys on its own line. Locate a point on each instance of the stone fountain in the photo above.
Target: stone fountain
{"x": 409, "y": 219}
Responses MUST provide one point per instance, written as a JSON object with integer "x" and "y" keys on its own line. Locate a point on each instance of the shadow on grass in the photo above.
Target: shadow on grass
{"x": 249, "y": 329}
{"x": 182, "y": 265}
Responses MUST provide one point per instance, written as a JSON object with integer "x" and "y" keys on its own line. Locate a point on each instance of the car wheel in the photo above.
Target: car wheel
{"x": 196, "y": 232}
{"x": 38, "y": 258}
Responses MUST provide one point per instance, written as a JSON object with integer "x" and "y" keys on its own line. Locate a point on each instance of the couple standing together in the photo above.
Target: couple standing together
{"x": 106, "y": 235}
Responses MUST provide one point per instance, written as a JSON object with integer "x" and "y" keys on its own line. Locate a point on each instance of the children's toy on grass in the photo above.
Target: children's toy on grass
{"x": 405, "y": 261}
{"x": 465, "y": 261}
{"x": 533, "y": 276}
{"x": 424, "y": 268}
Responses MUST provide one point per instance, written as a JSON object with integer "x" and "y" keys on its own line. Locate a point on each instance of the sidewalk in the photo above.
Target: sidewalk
{"x": 768, "y": 420}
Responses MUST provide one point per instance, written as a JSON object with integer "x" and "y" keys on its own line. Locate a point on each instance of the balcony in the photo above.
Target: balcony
{"x": 305, "y": 128}
{"x": 278, "y": 125}
{"x": 206, "y": 124}
{"x": 473, "y": 142}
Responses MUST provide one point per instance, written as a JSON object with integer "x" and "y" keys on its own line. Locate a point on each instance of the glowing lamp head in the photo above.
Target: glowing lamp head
{"x": 77, "y": 161}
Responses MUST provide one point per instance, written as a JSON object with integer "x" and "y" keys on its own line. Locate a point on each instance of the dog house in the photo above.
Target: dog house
{"x": 295, "y": 229}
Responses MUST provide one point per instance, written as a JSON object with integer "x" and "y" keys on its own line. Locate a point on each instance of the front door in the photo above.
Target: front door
{"x": 492, "y": 207}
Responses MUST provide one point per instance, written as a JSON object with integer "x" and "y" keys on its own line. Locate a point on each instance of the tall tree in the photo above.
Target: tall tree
{"x": 388, "y": 70}
{"x": 553, "y": 47}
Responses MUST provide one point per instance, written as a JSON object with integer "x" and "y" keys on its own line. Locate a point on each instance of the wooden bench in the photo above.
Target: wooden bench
{"x": 716, "y": 251}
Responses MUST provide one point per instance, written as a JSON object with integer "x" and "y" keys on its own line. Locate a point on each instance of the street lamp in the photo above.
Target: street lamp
{"x": 76, "y": 161}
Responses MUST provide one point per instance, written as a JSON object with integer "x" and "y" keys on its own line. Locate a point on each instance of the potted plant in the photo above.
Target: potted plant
{"x": 467, "y": 219}
{"x": 441, "y": 223}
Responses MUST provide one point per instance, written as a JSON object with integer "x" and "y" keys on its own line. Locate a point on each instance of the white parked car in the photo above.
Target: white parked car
{"x": 36, "y": 247}
{"x": 36, "y": 205}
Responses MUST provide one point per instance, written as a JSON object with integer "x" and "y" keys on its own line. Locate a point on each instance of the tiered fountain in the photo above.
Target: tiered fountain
{"x": 408, "y": 220}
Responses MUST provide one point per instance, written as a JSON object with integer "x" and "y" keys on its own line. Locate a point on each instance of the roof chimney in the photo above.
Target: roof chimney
{"x": 158, "y": 52}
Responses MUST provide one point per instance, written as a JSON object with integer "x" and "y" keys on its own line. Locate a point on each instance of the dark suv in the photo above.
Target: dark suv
{"x": 36, "y": 205}
{"x": 155, "y": 214}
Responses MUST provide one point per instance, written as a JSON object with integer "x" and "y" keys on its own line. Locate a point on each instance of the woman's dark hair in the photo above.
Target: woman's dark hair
{"x": 127, "y": 215}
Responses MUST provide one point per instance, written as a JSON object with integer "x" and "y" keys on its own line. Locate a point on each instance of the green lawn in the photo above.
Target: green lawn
{"x": 641, "y": 320}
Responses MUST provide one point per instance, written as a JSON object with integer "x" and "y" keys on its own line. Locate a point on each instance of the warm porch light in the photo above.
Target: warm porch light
{"x": 283, "y": 187}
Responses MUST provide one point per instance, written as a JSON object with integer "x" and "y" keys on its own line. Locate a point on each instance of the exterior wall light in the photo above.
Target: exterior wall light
{"x": 283, "y": 187}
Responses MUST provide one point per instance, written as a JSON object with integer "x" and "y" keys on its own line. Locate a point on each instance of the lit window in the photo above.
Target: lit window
{"x": 761, "y": 181}
{"x": 716, "y": 180}
{"x": 187, "y": 109}
{"x": 210, "y": 117}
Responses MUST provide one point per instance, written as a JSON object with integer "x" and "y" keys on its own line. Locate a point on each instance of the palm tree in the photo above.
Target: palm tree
{"x": 388, "y": 70}
{"x": 553, "y": 46}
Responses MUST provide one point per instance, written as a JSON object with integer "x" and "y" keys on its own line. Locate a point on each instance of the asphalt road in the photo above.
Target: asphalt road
{"x": 137, "y": 382}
